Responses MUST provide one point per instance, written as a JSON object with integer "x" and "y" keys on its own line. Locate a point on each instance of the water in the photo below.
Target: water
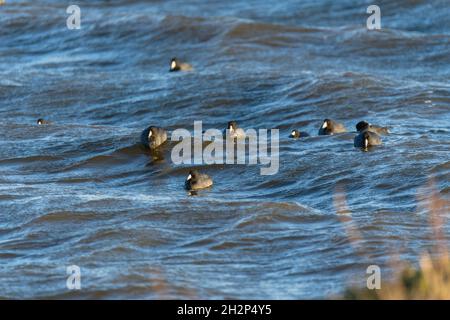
{"x": 83, "y": 192}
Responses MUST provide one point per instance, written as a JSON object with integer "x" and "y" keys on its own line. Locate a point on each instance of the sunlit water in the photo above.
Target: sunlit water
{"x": 82, "y": 191}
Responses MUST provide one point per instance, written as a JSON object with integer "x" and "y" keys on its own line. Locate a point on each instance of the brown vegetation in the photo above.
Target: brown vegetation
{"x": 431, "y": 279}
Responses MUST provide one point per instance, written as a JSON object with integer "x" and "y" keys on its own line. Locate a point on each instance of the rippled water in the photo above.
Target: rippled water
{"x": 83, "y": 191}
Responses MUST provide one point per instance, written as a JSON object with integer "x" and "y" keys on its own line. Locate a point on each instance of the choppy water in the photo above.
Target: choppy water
{"x": 82, "y": 191}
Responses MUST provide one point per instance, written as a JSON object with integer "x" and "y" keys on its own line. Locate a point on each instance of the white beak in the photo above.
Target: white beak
{"x": 173, "y": 65}
{"x": 324, "y": 125}
{"x": 189, "y": 177}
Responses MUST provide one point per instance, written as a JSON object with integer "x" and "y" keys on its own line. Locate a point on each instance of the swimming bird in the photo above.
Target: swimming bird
{"x": 366, "y": 139}
{"x": 41, "y": 121}
{"x": 176, "y": 65}
{"x": 234, "y": 131}
{"x": 297, "y": 134}
{"x": 196, "y": 181}
{"x": 153, "y": 137}
{"x": 363, "y": 125}
{"x": 330, "y": 127}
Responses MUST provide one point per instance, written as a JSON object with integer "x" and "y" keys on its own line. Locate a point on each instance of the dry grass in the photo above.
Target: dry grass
{"x": 431, "y": 279}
